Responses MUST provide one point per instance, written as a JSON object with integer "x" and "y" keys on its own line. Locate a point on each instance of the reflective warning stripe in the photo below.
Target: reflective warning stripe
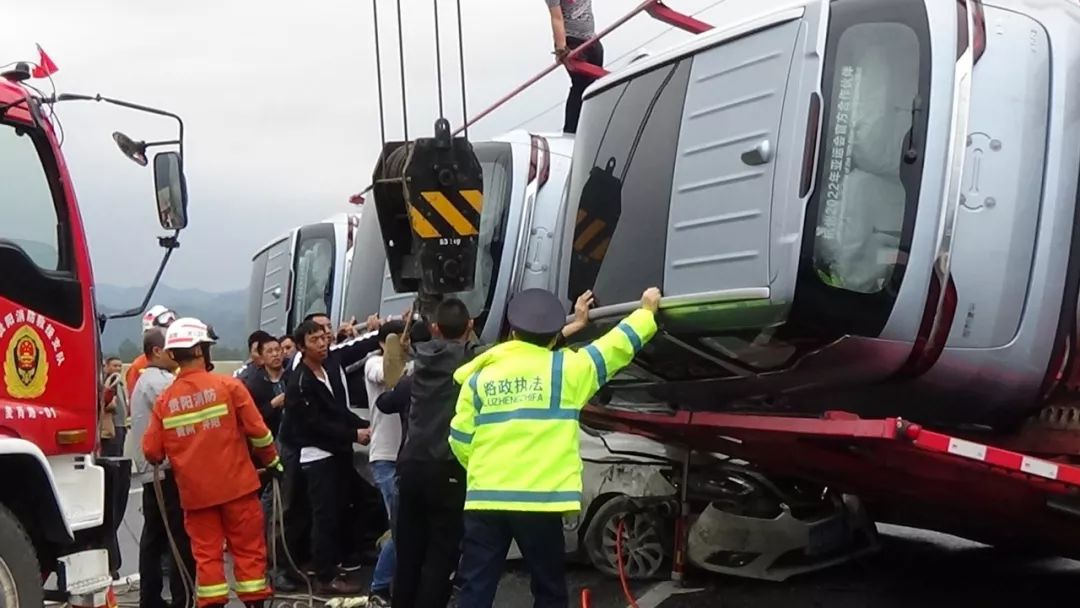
{"x": 590, "y": 232}
{"x": 252, "y": 586}
{"x": 449, "y": 212}
{"x": 420, "y": 225}
{"x": 262, "y": 442}
{"x": 212, "y": 591}
{"x": 275, "y": 462}
{"x": 475, "y": 198}
{"x": 214, "y": 411}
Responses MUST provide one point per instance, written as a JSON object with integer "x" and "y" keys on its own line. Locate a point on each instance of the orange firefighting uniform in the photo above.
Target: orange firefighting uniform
{"x": 203, "y": 423}
{"x": 133, "y": 372}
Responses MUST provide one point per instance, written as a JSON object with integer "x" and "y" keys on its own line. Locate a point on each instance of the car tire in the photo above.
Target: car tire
{"x": 20, "y": 575}
{"x": 646, "y": 540}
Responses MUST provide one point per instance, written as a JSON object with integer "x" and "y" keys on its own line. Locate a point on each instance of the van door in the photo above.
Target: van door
{"x": 673, "y": 171}
{"x": 269, "y": 291}
{"x": 721, "y": 193}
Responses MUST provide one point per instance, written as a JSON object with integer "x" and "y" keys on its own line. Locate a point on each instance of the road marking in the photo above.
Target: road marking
{"x": 660, "y": 592}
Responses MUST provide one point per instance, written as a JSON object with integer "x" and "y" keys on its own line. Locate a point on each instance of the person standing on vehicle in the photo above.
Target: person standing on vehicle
{"x": 154, "y": 542}
{"x": 382, "y": 371}
{"x": 572, "y": 24}
{"x": 516, "y": 432}
{"x": 321, "y": 425}
{"x": 203, "y": 423}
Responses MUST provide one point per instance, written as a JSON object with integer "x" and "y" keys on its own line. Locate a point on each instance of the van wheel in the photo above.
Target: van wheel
{"x": 20, "y": 576}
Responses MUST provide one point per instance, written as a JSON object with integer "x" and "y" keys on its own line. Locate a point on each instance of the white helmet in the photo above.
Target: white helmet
{"x": 157, "y": 316}
{"x": 188, "y": 332}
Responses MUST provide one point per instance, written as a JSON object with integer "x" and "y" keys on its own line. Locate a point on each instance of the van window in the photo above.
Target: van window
{"x": 314, "y": 269}
{"x": 860, "y": 223}
{"x": 30, "y": 219}
{"x": 861, "y": 215}
{"x": 620, "y": 187}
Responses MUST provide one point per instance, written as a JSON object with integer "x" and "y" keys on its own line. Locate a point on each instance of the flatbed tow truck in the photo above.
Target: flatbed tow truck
{"x": 1015, "y": 486}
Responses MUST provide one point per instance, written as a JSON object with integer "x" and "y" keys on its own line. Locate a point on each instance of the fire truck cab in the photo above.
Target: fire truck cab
{"x": 60, "y": 502}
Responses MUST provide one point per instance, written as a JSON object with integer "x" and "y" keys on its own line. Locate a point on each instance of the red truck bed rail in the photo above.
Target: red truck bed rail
{"x": 905, "y": 473}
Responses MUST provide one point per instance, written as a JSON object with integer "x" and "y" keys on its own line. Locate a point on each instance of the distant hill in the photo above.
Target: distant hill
{"x": 226, "y": 311}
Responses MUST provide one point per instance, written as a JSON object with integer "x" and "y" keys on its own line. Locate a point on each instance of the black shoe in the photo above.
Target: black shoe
{"x": 351, "y": 564}
{"x": 339, "y": 586}
{"x": 285, "y": 584}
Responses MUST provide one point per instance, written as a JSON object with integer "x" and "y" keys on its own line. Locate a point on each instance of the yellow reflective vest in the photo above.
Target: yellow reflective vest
{"x": 515, "y": 429}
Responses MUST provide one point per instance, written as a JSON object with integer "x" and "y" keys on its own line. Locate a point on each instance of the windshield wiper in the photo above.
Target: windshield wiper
{"x": 911, "y": 154}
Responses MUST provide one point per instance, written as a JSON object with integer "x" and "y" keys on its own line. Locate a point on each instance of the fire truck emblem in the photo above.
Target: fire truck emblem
{"x": 26, "y": 367}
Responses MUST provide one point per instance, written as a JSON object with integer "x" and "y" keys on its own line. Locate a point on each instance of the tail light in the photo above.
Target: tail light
{"x": 978, "y": 38}
{"x": 810, "y": 144}
{"x": 539, "y": 161}
{"x": 978, "y": 20}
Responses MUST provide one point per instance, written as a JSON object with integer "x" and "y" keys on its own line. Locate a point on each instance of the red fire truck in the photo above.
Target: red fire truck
{"x": 60, "y": 503}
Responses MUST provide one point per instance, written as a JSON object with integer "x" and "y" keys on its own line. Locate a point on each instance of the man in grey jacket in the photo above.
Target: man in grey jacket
{"x": 154, "y": 543}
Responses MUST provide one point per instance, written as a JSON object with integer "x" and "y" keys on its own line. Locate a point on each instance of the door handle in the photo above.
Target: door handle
{"x": 759, "y": 154}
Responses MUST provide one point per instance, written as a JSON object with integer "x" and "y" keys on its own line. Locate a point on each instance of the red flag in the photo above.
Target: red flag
{"x": 45, "y": 67}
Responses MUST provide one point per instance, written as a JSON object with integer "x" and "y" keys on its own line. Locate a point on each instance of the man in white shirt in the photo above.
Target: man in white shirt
{"x": 382, "y": 453}
{"x": 154, "y": 542}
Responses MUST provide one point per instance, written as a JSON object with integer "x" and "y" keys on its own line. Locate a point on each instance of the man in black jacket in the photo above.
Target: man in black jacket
{"x": 318, "y": 422}
{"x": 267, "y": 383}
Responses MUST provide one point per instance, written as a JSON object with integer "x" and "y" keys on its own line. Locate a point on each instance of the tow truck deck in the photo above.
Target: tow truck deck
{"x": 905, "y": 473}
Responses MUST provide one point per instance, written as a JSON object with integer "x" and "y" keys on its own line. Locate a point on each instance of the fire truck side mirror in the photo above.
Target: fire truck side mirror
{"x": 171, "y": 188}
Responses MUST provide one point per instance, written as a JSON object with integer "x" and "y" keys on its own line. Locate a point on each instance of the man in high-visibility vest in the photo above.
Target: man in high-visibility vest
{"x": 203, "y": 423}
{"x": 516, "y": 433}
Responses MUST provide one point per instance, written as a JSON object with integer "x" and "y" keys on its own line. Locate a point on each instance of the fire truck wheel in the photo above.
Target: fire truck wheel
{"x": 20, "y": 576}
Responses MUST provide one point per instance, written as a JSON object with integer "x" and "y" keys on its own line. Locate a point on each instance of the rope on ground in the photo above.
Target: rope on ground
{"x": 185, "y": 576}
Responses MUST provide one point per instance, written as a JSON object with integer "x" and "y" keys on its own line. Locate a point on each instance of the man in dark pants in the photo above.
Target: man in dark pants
{"x": 431, "y": 484}
{"x": 154, "y": 545}
{"x": 516, "y": 432}
{"x": 572, "y": 24}
{"x": 319, "y": 423}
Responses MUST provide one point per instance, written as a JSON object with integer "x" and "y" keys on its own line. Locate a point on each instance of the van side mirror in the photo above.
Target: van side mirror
{"x": 171, "y": 189}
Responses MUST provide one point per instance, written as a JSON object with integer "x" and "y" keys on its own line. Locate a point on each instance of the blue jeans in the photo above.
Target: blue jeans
{"x": 384, "y": 472}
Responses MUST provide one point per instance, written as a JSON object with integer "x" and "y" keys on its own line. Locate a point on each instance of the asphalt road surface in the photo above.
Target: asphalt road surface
{"x": 914, "y": 568}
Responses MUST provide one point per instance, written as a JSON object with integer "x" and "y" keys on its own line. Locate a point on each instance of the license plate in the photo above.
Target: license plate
{"x": 826, "y": 536}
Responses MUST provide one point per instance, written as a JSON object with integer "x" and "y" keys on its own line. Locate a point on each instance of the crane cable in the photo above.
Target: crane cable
{"x": 378, "y": 71}
{"x": 461, "y": 64}
{"x": 401, "y": 61}
{"x": 438, "y": 60}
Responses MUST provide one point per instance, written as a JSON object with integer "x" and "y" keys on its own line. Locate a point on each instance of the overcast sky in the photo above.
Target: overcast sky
{"x": 280, "y": 105}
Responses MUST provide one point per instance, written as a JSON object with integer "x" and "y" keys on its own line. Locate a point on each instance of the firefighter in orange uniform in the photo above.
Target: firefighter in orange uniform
{"x": 203, "y": 424}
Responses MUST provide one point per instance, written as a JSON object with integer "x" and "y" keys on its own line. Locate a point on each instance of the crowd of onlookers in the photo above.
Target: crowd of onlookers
{"x": 306, "y": 386}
